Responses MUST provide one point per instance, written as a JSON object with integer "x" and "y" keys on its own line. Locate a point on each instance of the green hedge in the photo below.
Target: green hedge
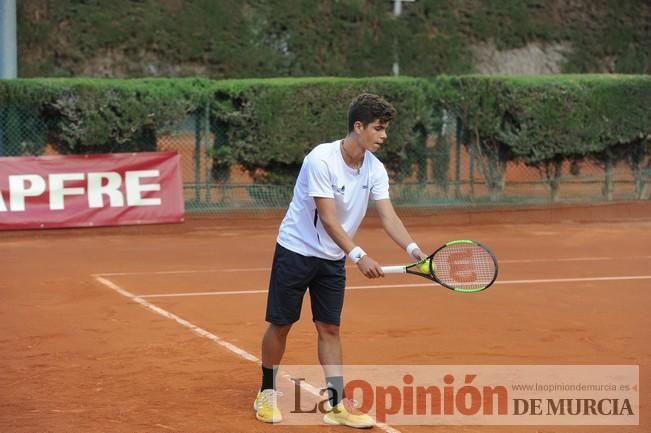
{"x": 272, "y": 124}
{"x": 545, "y": 120}
{"x": 267, "y": 126}
{"x": 81, "y": 116}
{"x": 302, "y": 38}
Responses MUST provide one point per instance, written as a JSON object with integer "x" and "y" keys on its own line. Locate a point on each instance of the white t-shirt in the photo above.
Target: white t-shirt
{"x": 325, "y": 174}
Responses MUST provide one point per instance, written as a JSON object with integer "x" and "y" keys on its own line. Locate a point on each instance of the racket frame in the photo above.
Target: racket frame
{"x": 432, "y": 274}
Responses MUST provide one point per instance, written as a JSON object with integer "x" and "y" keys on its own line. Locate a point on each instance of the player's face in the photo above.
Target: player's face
{"x": 373, "y": 136}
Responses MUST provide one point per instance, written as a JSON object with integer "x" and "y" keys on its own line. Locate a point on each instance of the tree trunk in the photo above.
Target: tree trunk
{"x": 554, "y": 176}
{"x": 640, "y": 180}
{"x": 609, "y": 184}
{"x": 490, "y": 166}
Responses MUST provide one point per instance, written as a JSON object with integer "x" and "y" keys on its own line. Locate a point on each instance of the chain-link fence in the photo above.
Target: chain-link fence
{"x": 451, "y": 173}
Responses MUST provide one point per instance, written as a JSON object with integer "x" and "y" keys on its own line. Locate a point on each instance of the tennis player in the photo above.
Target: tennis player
{"x": 330, "y": 200}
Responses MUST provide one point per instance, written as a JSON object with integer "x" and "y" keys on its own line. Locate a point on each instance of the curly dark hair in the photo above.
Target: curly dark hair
{"x": 367, "y": 108}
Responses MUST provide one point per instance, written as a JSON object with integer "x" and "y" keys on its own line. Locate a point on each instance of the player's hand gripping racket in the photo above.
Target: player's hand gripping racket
{"x": 462, "y": 265}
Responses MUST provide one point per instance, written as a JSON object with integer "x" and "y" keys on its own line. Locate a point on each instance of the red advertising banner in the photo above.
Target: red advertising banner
{"x": 90, "y": 190}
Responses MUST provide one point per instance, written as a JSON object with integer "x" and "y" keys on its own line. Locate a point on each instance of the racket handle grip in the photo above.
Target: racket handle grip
{"x": 394, "y": 269}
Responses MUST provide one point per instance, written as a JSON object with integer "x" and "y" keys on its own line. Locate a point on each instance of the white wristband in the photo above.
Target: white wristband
{"x": 356, "y": 254}
{"x": 411, "y": 247}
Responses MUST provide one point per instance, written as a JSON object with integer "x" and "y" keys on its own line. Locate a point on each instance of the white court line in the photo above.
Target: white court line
{"x": 391, "y": 286}
{"x": 216, "y": 339}
{"x": 194, "y": 328}
{"x": 187, "y": 271}
{"x": 572, "y": 259}
{"x": 267, "y": 269}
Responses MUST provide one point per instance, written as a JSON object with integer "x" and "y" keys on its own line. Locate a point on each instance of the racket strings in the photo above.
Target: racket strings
{"x": 464, "y": 266}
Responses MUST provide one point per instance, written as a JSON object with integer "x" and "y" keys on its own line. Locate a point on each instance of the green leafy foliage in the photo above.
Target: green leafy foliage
{"x": 546, "y": 120}
{"x": 101, "y": 116}
{"x": 273, "y": 124}
{"x": 268, "y": 126}
{"x": 299, "y": 38}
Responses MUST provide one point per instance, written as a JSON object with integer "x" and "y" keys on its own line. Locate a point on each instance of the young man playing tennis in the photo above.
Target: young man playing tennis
{"x": 330, "y": 200}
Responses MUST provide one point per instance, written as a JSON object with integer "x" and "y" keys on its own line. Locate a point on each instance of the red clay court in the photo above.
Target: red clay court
{"x": 157, "y": 328}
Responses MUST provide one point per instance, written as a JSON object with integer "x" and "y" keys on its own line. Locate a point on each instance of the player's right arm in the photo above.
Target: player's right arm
{"x": 327, "y": 210}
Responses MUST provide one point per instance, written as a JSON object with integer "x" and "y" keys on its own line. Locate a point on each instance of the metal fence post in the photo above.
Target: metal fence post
{"x": 8, "y": 40}
{"x": 471, "y": 174}
{"x": 457, "y": 161}
{"x": 3, "y": 126}
{"x": 197, "y": 157}
{"x": 209, "y": 156}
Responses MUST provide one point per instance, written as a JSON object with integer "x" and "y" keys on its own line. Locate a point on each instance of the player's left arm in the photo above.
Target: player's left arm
{"x": 394, "y": 227}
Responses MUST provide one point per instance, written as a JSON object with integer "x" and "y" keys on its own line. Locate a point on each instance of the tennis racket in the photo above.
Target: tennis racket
{"x": 461, "y": 265}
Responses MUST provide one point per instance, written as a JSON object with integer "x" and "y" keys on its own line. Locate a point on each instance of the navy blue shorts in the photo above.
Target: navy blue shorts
{"x": 292, "y": 274}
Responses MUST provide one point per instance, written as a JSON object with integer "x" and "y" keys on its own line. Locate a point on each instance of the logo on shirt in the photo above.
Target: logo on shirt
{"x": 365, "y": 187}
{"x": 339, "y": 190}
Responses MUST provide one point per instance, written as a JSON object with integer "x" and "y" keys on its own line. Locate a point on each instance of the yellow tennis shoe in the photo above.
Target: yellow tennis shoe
{"x": 266, "y": 406}
{"x": 346, "y": 413}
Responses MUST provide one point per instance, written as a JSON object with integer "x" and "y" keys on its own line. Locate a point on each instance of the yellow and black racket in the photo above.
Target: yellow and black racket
{"x": 461, "y": 265}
